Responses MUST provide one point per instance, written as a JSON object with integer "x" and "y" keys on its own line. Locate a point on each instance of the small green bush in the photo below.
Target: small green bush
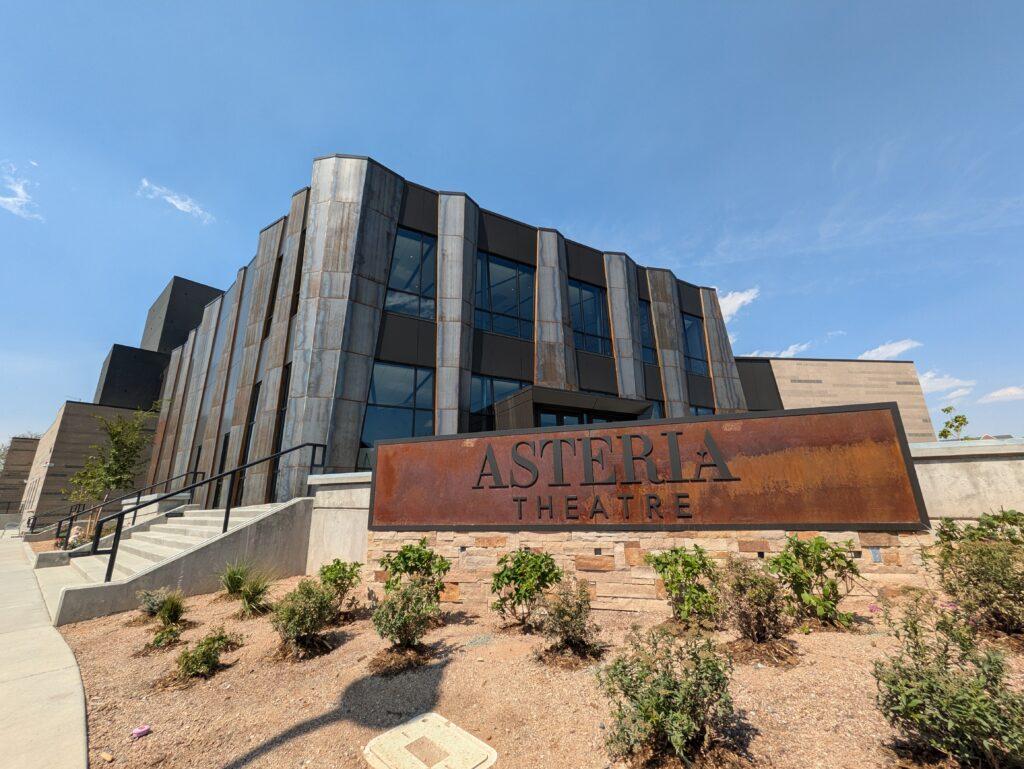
{"x": 415, "y": 563}
{"x": 166, "y": 635}
{"x": 756, "y": 601}
{"x": 567, "y": 620}
{"x": 150, "y": 600}
{"x": 172, "y": 608}
{"x": 406, "y": 613}
{"x": 667, "y": 697}
{"x": 253, "y": 595}
{"x": 1004, "y": 526}
{"x": 692, "y": 581}
{"x": 234, "y": 577}
{"x": 302, "y": 615}
{"x": 340, "y": 577}
{"x": 203, "y": 659}
{"x": 520, "y": 582}
{"x": 818, "y": 574}
{"x": 944, "y": 694}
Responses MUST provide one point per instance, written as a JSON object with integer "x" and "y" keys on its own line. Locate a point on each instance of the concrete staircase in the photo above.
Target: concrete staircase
{"x": 144, "y": 548}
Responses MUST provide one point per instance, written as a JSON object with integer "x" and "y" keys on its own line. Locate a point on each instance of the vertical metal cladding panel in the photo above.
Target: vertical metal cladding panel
{"x": 350, "y": 232}
{"x": 725, "y": 377}
{"x": 166, "y": 399}
{"x": 624, "y": 312}
{"x": 275, "y": 353}
{"x": 170, "y": 442}
{"x": 194, "y": 390}
{"x": 457, "y": 227}
{"x": 554, "y": 348}
{"x": 668, "y": 337}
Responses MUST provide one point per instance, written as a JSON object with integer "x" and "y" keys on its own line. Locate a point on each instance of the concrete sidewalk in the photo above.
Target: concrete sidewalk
{"x": 42, "y": 702}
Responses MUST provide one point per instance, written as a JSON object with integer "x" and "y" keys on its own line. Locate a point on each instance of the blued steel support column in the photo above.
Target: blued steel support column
{"x": 668, "y": 336}
{"x": 457, "y": 222}
{"x": 725, "y": 377}
{"x": 554, "y": 352}
{"x": 624, "y": 312}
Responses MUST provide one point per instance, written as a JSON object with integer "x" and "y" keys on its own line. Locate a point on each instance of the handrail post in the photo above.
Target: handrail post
{"x": 113, "y": 547}
{"x": 138, "y": 501}
{"x": 231, "y": 496}
{"x": 96, "y": 536}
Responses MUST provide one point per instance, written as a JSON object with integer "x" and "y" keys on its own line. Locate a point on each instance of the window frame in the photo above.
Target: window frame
{"x": 602, "y": 337}
{"x": 411, "y": 403}
{"x": 692, "y": 363}
{"x": 486, "y": 412}
{"x": 648, "y": 352}
{"x": 426, "y": 301}
{"x": 485, "y": 288}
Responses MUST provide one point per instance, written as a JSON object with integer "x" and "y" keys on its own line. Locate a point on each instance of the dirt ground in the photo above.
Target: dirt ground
{"x": 264, "y": 712}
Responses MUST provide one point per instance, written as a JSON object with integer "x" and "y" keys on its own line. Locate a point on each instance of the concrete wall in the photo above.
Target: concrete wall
{"x": 965, "y": 479}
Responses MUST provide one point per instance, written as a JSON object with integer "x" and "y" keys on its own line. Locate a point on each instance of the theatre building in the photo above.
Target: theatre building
{"x": 378, "y": 308}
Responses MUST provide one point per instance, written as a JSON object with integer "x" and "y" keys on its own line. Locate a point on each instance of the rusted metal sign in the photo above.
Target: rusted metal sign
{"x": 832, "y": 468}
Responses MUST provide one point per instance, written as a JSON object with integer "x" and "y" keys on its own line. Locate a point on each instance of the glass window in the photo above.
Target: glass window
{"x": 413, "y": 275}
{"x": 484, "y": 392}
{"x": 657, "y": 410}
{"x": 400, "y": 405}
{"x": 504, "y": 296}
{"x": 693, "y": 344}
{"x": 589, "y": 310}
{"x": 700, "y": 411}
{"x": 649, "y": 351}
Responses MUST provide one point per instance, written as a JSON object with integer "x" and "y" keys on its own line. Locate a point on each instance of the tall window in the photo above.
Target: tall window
{"x": 649, "y": 351}
{"x": 400, "y": 405}
{"x": 485, "y": 391}
{"x": 700, "y": 411}
{"x": 504, "y": 296}
{"x": 696, "y": 357}
{"x": 589, "y": 317}
{"x": 657, "y": 409}
{"x": 413, "y": 275}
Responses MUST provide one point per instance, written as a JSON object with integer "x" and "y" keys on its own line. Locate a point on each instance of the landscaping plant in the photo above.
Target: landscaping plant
{"x": 818, "y": 574}
{"x": 406, "y": 613}
{"x": 756, "y": 602}
{"x": 302, "y": 615}
{"x": 203, "y": 659}
{"x": 253, "y": 595}
{"x": 945, "y": 694}
{"x": 234, "y": 576}
{"x": 415, "y": 563}
{"x": 520, "y": 582}
{"x": 170, "y": 610}
{"x": 567, "y": 620}
{"x": 340, "y": 577}
{"x": 667, "y": 697}
{"x": 692, "y": 581}
{"x": 151, "y": 600}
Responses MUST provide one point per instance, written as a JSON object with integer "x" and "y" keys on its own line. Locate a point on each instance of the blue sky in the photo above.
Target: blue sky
{"x": 850, "y": 176}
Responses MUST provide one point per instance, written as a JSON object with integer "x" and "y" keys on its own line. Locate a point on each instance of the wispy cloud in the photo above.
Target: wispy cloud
{"x": 183, "y": 203}
{"x": 889, "y": 350}
{"x": 19, "y": 202}
{"x": 935, "y": 382}
{"x": 733, "y": 301}
{"x": 957, "y": 394}
{"x": 790, "y": 352}
{"x": 1012, "y": 393}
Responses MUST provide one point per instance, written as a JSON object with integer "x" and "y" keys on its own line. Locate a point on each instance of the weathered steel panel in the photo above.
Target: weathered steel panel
{"x": 836, "y": 468}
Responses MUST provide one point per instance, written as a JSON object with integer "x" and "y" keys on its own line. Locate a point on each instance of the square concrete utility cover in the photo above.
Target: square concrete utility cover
{"x": 429, "y": 741}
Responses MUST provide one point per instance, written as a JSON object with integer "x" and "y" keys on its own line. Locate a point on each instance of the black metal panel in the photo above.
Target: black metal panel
{"x": 131, "y": 377}
{"x": 652, "y": 382}
{"x": 507, "y": 237}
{"x": 700, "y": 391}
{"x": 689, "y": 298}
{"x": 177, "y": 310}
{"x": 502, "y": 356}
{"x": 642, "y": 289}
{"x": 596, "y": 372}
{"x": 419, "y": 209}
{"x": 759, "y": 385}
{"x": 584, "y": 263}
{"x": 404, "y": 339}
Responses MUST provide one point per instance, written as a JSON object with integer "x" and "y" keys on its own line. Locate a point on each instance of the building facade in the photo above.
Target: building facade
{"x": 379, "y": 308}
{"x": 20, "y": 453}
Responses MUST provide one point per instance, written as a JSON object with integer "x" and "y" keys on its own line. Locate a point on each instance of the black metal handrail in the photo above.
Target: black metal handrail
{"x": 232, "y": 476}
{"x": 31, "y": 522}
{"x": 137, "y": 493}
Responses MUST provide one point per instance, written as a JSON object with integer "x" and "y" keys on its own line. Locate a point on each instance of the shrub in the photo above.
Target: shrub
{"x": 406, "y": 613}
{"x": 253, "y": 595}
{"x": 818, "y": 574}
{"x": 234, "y": 577}
{"x": 567, "y": 618}
{"x": 1004, "y": 526}
{"x": 520, "y": 582}
{"x": 340, "y": 577}
{"x": 203, "y": 659}
{"x": 302, "y": 614}
{"x": 667, "y": 697}
{"x": 942, "y": 693}
{"x": 166, "y": 635}
{"x": 692, "y": 583}
{"x": 756, "y": 601}
{"x": 150, "y": 600}
{"x": 417, "y": 563}
{"x": 171, "y": 609}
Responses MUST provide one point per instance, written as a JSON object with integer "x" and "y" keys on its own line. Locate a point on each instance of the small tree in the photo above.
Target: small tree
{"x": 954, "y": 425}
{"x": 692, "y": 581}
{"x": 520, "y": 582}
{"x": 415, "y": 563}
{"x": 819, "y": 574}
{"x": 115, "y": 464}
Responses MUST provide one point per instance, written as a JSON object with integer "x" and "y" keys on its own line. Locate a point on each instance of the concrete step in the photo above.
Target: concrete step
{"x": 158, "y": 536}
{"x": 53, "y": 580}
{"x": 200, "y": 530}
{"x": 146, "y": 550}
